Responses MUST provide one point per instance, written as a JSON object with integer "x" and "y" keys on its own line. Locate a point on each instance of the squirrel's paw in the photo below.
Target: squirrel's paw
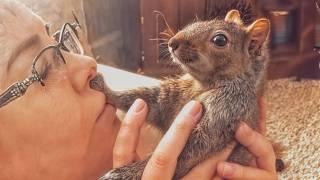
{"x": 115, "y": 174}
{"x": 130, "y": 172}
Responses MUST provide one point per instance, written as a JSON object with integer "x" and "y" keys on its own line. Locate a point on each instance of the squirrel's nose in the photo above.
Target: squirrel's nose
{"x": 174, "y": 44}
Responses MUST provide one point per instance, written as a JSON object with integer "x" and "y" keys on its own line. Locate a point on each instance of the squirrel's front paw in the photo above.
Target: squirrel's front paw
{"x": 110, "y": 175}
{"x": 115, "y": 174}
{"x": 130, "y": 172}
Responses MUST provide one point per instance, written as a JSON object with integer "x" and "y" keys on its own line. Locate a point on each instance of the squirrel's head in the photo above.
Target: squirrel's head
{"x": 220, "y": 48}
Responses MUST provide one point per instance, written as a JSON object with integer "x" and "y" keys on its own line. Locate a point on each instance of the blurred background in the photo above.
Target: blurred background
{"x": 126, "y": 33}
{"x": 123, "y": 33}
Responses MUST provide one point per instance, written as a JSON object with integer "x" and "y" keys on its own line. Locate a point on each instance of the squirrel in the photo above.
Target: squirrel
{"x": 224, "y": 63}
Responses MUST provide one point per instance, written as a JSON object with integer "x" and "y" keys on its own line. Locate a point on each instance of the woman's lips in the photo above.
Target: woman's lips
{"x": 98, "y": 84}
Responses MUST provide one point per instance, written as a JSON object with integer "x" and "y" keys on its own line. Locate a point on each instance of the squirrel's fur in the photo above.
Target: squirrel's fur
{"x": 225, "y": 76}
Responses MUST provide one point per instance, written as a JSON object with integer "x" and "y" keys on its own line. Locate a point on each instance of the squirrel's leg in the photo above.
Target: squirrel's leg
{"x": 132, "y": 171}
{"x": 124, "y": 99}
{"x": 161, "y": 109}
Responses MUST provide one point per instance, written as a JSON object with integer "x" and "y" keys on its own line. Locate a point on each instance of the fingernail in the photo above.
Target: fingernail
{"x": 193, "y": 108}
{"x": 137, "y": 106}
{"x": 228, "y": 170}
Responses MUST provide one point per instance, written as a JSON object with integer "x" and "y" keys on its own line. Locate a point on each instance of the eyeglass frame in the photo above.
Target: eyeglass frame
{"x": 19, "y": 88}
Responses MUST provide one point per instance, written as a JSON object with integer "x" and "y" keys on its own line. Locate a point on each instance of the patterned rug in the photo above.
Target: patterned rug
{"x": 293, "y": 119}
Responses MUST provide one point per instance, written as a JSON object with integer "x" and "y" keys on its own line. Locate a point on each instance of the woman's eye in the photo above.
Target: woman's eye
{"x": 220, "y": 40}
{"x": 45, "y": 72}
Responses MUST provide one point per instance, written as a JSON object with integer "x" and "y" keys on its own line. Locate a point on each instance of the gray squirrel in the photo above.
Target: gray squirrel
{"x": 224, "y": 63}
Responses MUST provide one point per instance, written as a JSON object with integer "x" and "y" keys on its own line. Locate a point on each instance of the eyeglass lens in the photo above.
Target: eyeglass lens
{"x": 71, "y": 41}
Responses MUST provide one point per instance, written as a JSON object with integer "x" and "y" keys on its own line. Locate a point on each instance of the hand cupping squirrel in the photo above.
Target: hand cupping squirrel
{"x": 224, "y": 63}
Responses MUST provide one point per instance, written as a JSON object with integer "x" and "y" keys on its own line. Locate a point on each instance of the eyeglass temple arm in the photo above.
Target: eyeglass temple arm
{"x": 17, "y": 90}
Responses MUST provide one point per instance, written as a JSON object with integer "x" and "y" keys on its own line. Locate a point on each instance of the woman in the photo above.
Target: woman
{"x": 55, "y": 126}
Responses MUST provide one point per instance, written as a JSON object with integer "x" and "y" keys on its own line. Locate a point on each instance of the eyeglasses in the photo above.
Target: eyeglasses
{"x": 67, "y": 39}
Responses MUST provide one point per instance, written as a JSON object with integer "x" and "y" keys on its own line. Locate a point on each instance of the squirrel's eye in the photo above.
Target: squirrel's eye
{"x": 219, "y": 40}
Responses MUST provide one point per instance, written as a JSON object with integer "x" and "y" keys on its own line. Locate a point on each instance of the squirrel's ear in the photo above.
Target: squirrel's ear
{"x": 258, "y": 33}
{"x": 233, "y": 16}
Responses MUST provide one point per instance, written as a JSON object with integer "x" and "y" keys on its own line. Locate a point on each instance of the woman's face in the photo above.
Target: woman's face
{"x": 62, "y": 126}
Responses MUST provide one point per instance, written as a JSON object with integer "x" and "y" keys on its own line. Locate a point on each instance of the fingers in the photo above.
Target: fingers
{"x": 124, "y": 151}
{"x": 261, "y": 148}
{"x": 163, "y": 161}
{"x": 217, "y": 178}
{"x": 207, "y": 169}
{"x": 238, "y": 172}
{"x": 258, "y": 145}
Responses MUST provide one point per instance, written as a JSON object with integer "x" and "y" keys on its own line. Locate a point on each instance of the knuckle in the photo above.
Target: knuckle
{"x": 251, "y": 138}
{"x": 160, "y": 160}
{"x": 118, "y": 155}
{"x": 250, "y": 134}
{"x": 268, "y": 149}
{"x": 130, "y": 123}
{"x": 182, "y": 126}
{"x": 269, "y": 146}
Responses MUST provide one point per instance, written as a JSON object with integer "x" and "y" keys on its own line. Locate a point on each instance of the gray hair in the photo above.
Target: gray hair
{"x": 16, "y": 22}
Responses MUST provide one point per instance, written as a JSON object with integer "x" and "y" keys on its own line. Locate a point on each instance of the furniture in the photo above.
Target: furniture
{"x": 292, "y": 38}
{"x": 126, "y": 34}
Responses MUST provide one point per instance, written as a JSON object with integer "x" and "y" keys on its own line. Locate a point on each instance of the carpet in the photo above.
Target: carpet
{"x": 293, "y": 119}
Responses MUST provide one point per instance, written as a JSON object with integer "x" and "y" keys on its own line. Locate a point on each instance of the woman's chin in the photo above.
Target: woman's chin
{"x": 104, "y": 132}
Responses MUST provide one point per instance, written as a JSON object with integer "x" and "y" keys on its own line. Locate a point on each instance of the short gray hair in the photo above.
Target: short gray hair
{"x": 16, "y": 22}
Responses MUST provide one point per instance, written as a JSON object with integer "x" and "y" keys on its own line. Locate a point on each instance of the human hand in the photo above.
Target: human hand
{"x": 261, "y": 148}
{"x": 163, "y": 161}
{"x": 124, "y": 151}
{"x": 125, "y": 147}
{"x": 206, "y": 170}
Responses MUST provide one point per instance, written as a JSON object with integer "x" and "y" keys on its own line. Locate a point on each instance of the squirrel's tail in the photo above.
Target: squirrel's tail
{"x": 219, "y": 9}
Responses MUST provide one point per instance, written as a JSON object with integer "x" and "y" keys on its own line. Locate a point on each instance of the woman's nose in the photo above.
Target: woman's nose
{"x": 81, "y": 70}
